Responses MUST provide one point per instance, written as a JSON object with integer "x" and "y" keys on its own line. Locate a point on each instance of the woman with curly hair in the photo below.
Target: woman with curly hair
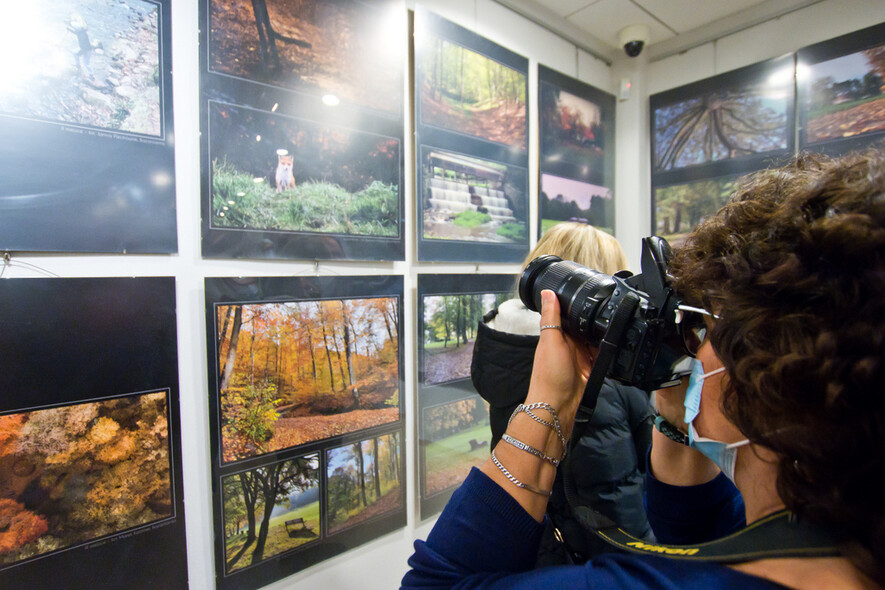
{"x": 785, "y": 400}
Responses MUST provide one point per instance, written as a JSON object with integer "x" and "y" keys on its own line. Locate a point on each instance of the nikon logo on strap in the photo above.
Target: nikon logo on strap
{"x": 663, "y": 548}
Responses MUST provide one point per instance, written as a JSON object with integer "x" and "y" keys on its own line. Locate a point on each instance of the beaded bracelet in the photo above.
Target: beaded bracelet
{"x": 530, "y": 449}
{"x": 516, "y": 482}
{"x": 554, "y": 425}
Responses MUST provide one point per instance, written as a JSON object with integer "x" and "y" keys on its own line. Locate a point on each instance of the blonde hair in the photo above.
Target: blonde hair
{"x": 583, "y": 244}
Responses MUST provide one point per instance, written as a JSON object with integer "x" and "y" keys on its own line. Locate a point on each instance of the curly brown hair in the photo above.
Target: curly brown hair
{"x": 794, "y": 265}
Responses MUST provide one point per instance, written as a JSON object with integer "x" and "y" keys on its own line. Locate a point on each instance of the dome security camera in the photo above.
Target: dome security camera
{"x": 633, "y": 39}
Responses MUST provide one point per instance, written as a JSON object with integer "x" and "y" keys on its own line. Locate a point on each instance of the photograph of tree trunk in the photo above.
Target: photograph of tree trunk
{"x": 73, "y": 474}
{"x": 270, "y": 510}
{"x": 449, "y": 332}
{"x": 364, "y": 481}
{"x": 351, "y": 49}
{"x": 290, "y": 373}
{"x": 455, "y": 437}
{"x": 680, "y": 208}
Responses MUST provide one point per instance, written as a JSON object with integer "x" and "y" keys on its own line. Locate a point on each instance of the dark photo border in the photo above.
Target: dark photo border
{"x": 230, "y": 290}
{"x": 825, "y": 51}
{"x": 73, "y": 341}
{"x": 436, "y": 394}
{"x": 71, "y": 187}
{"x": 427, "y": 24}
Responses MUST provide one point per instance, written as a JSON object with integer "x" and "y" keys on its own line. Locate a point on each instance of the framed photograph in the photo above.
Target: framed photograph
{"x": 472, "y": 136}
{"x": 454, "y": 430}
{"x": 679, "y": 208}
{"x": 576, "y": 155}
{"x": 299, "y": 367}
{"x": 90, "y": 441}
{"x": 302, "y": 130}
{"x": 86, "y": 128}
{"x": 841, "y": 92}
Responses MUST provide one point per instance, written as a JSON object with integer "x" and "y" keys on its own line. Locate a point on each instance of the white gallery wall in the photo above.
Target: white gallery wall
{"x": 381, "y": 563}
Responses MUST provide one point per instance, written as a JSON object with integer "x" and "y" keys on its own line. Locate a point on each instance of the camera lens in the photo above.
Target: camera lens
{"x": 581, "y": 292}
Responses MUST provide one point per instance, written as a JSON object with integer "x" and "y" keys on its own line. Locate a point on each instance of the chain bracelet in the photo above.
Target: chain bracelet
{"x": 530, "y": 449}
{"x": 516, "y": 482}
{"x": 555, "y": 425}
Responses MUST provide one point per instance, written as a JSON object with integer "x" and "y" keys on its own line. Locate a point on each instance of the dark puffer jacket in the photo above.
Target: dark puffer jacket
{"x": 608, "y": 462}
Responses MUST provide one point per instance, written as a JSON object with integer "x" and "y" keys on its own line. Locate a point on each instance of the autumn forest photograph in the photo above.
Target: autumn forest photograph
{"x": 270, "y": 510}
{"x": 679, "y": 208}
{"x": 571, "y": 129}
{"x": 455, "y": 437}
{"x": 73, "y": 474}
{"x": 365, "y": 480}
{"x": 295, "y": 372}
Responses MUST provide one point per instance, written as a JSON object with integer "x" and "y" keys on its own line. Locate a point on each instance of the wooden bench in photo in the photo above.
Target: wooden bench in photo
{"x": 295, "y": 532}
{"x": 475, "y": 444}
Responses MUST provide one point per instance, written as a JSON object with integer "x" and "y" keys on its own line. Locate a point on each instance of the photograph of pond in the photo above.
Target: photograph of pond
{"x": 352, "y": 50}
{"x": 296, "y": 372}
{"x": 271, "y": 172}
{"x": 455, "y": 437}
{"x": 449, "y": 332}
{"x": 270, "y": 510}
{"x": 365, "y": 481}
{"x": 841, "y": 85}
{"x": 73, "y": 474}
{"x": 564, "y": 199}
{"x": 678, "y": 209}
{"x": 471, "y": 199}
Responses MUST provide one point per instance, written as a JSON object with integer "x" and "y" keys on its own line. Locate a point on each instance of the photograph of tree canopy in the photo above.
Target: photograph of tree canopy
{"x": 365, "y": 481}
{"x": 473, "y": 199}
{"x": 727, "y": 117}
{"x": 73, "y": 474}
{"x": 270, "y": 510}
{"x": 272, "y": 172}
{"x": 85, "y": 62}
{"x": 449, "y": 333}
{"x": 842, "y": 87}
{"x": 571, "y": 129}
{"x": 564, "y": 199}
{"x": 294, "y": 372}
{"x": 352, "y": 50}
{"x": 455, "y": 437}
{"x": 680, "y": 208}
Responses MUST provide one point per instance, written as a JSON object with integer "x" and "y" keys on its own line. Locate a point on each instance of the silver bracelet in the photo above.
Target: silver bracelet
{"x": 530, "y": 449}
{"x": 516, "y": 482}
{"x": 555, "y": 425}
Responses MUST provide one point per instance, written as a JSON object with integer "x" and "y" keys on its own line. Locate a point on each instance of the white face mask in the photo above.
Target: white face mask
{"x": 724, "y": 455}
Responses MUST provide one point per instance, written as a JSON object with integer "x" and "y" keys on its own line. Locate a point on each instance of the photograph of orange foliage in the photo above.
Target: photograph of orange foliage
{"x": 76, "y": 473}
{"x": 295, "y": 372}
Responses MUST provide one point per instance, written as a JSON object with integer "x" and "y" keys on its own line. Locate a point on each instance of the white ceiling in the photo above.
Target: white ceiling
{"x": 674, "y": 25}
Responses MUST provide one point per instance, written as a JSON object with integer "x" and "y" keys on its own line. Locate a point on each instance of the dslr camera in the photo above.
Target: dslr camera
{"x": 639, "y": 318}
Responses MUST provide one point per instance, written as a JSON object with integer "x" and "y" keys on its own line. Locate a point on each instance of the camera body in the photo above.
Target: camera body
{"x": 651, "y": 351}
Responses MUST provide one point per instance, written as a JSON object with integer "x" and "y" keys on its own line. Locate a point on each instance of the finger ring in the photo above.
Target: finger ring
{"x": 550, "y": 326}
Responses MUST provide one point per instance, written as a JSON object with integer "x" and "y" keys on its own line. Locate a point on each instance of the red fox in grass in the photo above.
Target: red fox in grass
{"x": 285, "y": 178}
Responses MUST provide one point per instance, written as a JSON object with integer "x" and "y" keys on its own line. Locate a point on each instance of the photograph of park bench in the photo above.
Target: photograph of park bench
{"x": 273, "y": 172}
{"x": 841, "y": 88}
{"x": 454, "y": 437}
{"x": 72, "y": 474}
{"x": 270, "y": 510}
{"x": 472, "y": 199}
{"x": 564, "y": 199}
{"x": 364, "y": 481}
{"x": 86, "y": 62}
{"x": 352, "y": 50}
{"x": 295, "y": 372}
{"x": 450, "y": 323}
{"x": 679, "y": 208}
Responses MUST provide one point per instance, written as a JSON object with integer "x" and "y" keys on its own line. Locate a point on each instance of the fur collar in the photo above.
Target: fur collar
{"x": 515, "y": 318}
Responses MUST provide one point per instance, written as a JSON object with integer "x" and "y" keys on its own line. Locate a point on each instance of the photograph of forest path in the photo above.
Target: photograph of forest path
{"x": 720, "y": 125}
{"x": 678, "y": 209}
{"x": 364, "y": 480}
{"x": 87, "y": 62}
{"x": 296, "y": 372}
{"x": 571, "y": 129}
{"x": 846, "y": 96}
{"x": 455, "y": 438}
{"x": 270, "y": 510}
{"x": 72, "y": 474}
{"x": 302, "y": 176}
{"x": 449, "y": 333}
{"x": 467, "y": 92}
{"x": 347, "y": 48}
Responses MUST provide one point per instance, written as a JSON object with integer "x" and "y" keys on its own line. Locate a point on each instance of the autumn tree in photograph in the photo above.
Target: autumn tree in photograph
{"x": 72, "y": 474}
{"x": 294, "y": 372}
{"x": 455, "y": 437}
{"x": 270, "y": 510}
{"x": 365, "y": 480}
{"x": 680, "y": 208}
